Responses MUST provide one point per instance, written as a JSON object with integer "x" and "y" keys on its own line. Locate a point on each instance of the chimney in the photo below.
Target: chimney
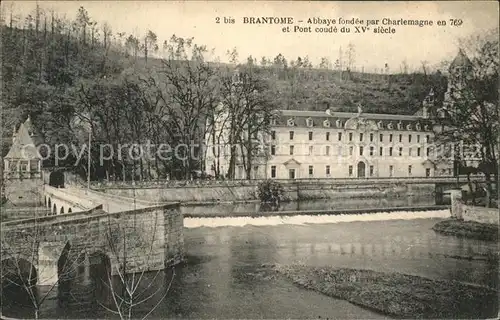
{"x": 425, "y": 112}
{"x": 328, "y": 111}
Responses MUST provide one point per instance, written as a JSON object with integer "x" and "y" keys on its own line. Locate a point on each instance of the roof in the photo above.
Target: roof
{"x": 340, "y": 119}
{"x": 347, "y": 115}
{"x": 460, "y": 60}
{"x": 25, "y": 143}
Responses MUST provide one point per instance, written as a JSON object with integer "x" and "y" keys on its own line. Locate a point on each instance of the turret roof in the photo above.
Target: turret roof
{"x": 460, "y": 60}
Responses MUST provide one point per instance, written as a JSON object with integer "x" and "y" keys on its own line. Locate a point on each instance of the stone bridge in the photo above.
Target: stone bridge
{"x": 76, "y": 199}
{"x": 46, "y": 249}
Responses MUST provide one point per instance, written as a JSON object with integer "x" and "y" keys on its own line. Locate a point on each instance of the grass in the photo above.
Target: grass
{"x": 395, "y": 294}
{"x": 467, "y": 229}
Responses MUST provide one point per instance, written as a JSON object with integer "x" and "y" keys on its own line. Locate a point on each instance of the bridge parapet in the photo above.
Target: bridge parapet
{"x": 145, "y": 239}
{"x": 229, "y": 183}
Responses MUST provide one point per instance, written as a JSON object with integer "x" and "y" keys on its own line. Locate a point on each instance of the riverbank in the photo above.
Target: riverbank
{"x": 467, "y": 229}
{"x": 396, "y": 294}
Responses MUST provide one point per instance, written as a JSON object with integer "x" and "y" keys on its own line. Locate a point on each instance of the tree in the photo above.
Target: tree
{"x": 150, "y": 44}
{"x": 189, "y": 96}
{"x": 351, "y": 55}
{"x": 325, "y": 63}
{"x": 249, "y": 110}
{"x": 18, "y": 272}
{"x": 130, "y": 290}
{"x": 470, "y": 112}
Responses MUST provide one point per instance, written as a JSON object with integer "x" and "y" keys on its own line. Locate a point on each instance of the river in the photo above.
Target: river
{"x": 223, "y": 278}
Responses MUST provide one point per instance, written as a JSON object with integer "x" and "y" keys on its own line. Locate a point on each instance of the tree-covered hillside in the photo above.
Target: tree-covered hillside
{"x": 72, "y": 76}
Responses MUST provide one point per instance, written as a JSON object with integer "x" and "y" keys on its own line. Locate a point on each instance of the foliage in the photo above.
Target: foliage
{"x": 470, "y": 114}
{"x": 76, "y": 78}
{"x": 271, "y": 191}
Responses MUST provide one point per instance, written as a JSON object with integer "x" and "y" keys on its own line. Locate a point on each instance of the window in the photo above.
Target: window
{"x": 291, "y": 135}
{"x": 361, "y": 137}
{"x": 418, "y": 152}
{"x": 290, "y": 122}
{"x": 390, "y": 137}
{"x": 400, "y": 138}
{"x": 409, "y": 138}
{"x": 371, "y": 137}
{"x": 327, "y": 136}
{"x": 428, "y": 152}
{"x": 351, "y": 150}
{"x": 361, "y": 150}
{"x": 400, "y": 151}
{"x": 380, "y": 151}
{"x": 23, "y": 165}
{"x": 291, "y": 173}
{"x": 339, "y": 150}
{"x": 371, "y": 150}
{"x": 310, "y": 135}
{"x": 327, "y": 150}
{"x": 311, "y": 150}
{"x": 350, "y": 136}
{"x": 309, "y": 122}
{"x": 418, "y": 139}
{"x": 350, "y": 171}
{"x": 311, "y": 171}
{"x": 291, "y": 150}
{"x": 427, "y": 172}
{"x": 273, "y": 135}
{"x": 327, "y": 170}
{"x": 391, "y": 171}
{"x": 409, "y": 170}
{"x": 273, "y": 150}
{"x": 390, "y": 151}
{"x": 340, "y": 136}
{"x": 427, "y": 138}
{"x": 326, "y": 123}
{"x": 381, "y": 137}
{"x": 273, "y": 171}
{"x": 273, "y": 122}
{"x": 409, "y": 152}
{"x": 371, "y": 171}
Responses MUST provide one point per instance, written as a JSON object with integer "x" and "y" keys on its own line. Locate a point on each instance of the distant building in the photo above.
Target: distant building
{"x": 23, "y": 159}
{"x": 22, "y": 166}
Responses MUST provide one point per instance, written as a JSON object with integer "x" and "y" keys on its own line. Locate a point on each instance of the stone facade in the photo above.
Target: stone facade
{"x": 133, "y": 241}
{"x": 460, "y": 210}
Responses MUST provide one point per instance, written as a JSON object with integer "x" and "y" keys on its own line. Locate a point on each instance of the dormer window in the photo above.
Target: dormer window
{"x": 326, "y": 124}
{"x": 418, "y": 127}
{"x": 380, "y": 125}
{"x": 309, "y": 122}
{"x": 273, "y": 122}
{"x": 291, "y": 122}
{"x": 408, "y": 127}
{"x": 400, "y": 125}
{"x": 426, "y": 128}
{"x": 390, "y": 126}
{"x": 338, "y": 123}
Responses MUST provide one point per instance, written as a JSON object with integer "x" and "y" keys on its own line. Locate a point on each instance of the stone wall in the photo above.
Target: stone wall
{"x": 460, "y": 210}
{"x": 293, "y": 191}
{"x": 24, "y": 192}
{"x": 146, "y": 239}
{"x": 480, "y": 214}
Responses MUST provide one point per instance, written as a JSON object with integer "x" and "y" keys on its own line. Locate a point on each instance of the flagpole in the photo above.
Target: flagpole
{"x": 88, "y": 162}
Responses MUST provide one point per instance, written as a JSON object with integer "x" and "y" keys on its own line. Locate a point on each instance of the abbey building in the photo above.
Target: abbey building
{"x": 327, "y": 144}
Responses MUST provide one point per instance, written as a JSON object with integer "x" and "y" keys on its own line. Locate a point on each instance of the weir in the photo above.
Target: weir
{"x": 241, "y": 221}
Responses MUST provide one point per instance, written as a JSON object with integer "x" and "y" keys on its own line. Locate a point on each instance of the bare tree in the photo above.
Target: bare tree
{"x": 470, "y": 112}
{"x": 18, "y": 269}
{"x": 129, "y": 290}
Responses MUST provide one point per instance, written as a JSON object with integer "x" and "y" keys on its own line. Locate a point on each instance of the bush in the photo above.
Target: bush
{"x": 271, "y": 191}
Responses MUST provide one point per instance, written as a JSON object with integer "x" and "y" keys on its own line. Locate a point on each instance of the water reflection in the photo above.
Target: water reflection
{"x": 306, "y": 205}
{"x": 222, "y": 276}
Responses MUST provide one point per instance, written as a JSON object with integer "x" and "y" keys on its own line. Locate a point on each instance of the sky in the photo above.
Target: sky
{"x": 198, "y": 19}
